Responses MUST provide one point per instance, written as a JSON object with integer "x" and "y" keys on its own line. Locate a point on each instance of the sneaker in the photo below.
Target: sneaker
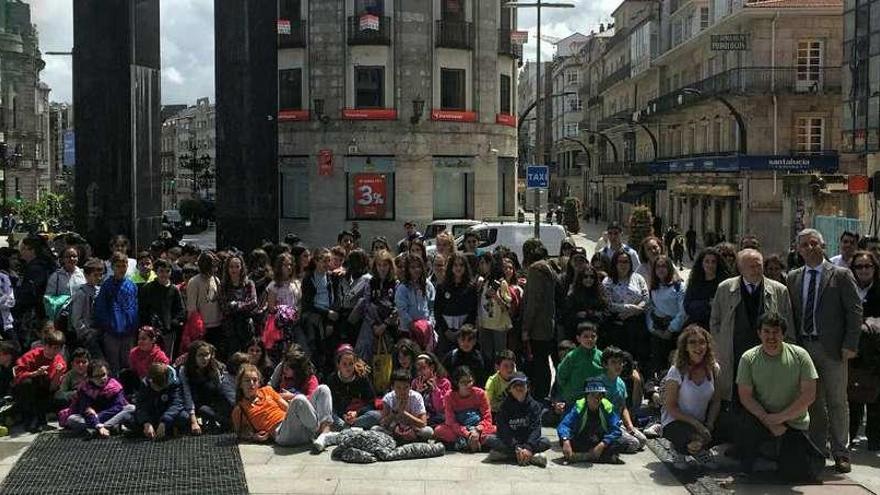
{"x": 653, "y": 431}
{"x": 497, "y": 456}
{"x": 539, "y": 460}
{"x": 460, "y": 444}
{"x": 842, "y": 465}
{"x": 579, "y": 457}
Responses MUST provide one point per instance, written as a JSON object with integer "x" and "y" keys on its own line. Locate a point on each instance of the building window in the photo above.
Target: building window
{"x": 505, "y": 93}
{"x": 290, "y": 10}
{"x": 369, "y": 87}
{"x": 571, "y": 77}
{"x": 704, "y": 18}
{"x": 294, "y": 187}
{"x": 809, "y": 65}
{"x": 810, "y": 132}
{"x": 290, "y": 89}
{"x": 575, "y": 104}
{"x": 453, "y": 10}
{"x": 452, "y": 89}
{"x": 571, "y": 129}
{"x": 375, "y": 7}
{"x": 716, "y": 135}
{"x": 453, "y": 187}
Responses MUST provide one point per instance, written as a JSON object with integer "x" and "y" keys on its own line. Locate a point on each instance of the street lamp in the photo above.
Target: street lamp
{"x": 743, "y": 137}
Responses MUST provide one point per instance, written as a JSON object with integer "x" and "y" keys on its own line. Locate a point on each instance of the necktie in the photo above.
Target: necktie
{"x": 751, "y": 288}
{"x": 810, "y": 306}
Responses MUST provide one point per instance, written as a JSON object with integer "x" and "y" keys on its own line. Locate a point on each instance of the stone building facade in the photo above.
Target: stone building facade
{"x": 187, "y": 135}
{"x": 392, "y": 111}
{"x": 24, "y": 105}
{"x": 723, "y": 116}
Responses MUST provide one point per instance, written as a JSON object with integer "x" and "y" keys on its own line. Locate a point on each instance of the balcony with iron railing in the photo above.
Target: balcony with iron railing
{"x": 752, "y": 80}
{"x": 508, "y": 47}
{"x": 455, "y": 34}
{"x": 616, "y": 118}
{"x": 361, "y": 32}
{"x": 297, "y": 38}
{"x": 615, "y": 77}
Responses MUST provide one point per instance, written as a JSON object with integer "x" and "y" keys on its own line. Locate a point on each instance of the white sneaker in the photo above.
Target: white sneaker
{"x": 653, "y": 431}
{"x": 323, "y": 440}
{"x": 539, "y": 460}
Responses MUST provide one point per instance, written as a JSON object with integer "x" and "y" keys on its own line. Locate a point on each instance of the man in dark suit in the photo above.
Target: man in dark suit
{"x": 828, "y": 317}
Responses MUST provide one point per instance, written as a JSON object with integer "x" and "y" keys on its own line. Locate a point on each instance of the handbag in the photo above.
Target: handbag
{"x": 382, "y": 365}
{"x": 271, "y": 333}
{"x": 54, "y": 305}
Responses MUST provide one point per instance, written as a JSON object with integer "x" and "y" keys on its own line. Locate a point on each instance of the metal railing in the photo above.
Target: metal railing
{"x": 297, "y": 37}
{"x": 616, "y": 118}
{"x": 614, "y": 78}
{"x": 455, "y": 34}
{"x": 506, "y": 46}
{"x": 360, "y": 35}
{"x": 754, "y": 80}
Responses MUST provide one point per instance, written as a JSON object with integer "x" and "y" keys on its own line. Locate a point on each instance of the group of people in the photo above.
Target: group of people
{"x": 456, "y": 348}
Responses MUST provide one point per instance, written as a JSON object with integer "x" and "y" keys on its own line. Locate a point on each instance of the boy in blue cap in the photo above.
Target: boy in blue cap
{"x": 519, "y": 427}
{"x": 590, "y": 431}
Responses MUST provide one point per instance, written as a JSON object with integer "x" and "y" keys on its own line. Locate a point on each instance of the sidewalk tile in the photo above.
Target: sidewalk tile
{"x": 384, "y": 487}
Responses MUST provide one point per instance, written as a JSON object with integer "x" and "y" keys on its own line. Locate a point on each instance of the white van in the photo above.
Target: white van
{"x": 454, "y": 227}
{"x": 513, "y": 235}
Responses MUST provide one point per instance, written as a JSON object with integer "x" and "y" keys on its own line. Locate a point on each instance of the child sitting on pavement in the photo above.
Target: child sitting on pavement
{"x": 38, "y": 375}
{"x": 352, "y": 391}
{"x": 98, "y": 405}
{"x": 497, "y": 384}
{"x": 76, "y": 376}
{"x": 159, "y": 404}
{"x": 553, "y": 414}
{"x": 519, "y": 427}
{"x": 468, "y": 415}
{"x": 579, "y": 365}
{"x": 432, "y": 382}
{"x": 631, "y": 438}
{"x": 403, "y": 411}
{"x": 590, "y": 431}
{"x": 466, "y": 354}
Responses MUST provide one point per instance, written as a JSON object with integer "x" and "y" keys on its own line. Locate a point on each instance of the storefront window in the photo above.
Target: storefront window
{"x": 290, "y": 89}
{"x": 453, "y": 187}
{"x": 294, "y": 187}
{"x": 369, "y": 87}
{"x": 452, "y": 89}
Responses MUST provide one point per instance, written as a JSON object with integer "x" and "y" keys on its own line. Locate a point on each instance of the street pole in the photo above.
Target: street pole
{"x": 539, "y": 127}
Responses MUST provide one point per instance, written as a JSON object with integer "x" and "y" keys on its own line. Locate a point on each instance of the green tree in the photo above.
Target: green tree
{"x": 571, "y": 214}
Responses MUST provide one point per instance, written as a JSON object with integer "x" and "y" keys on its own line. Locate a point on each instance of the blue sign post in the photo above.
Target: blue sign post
{"x": 537, "y": 178}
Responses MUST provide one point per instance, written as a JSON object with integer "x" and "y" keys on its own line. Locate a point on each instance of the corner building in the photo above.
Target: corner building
{"x": 393, "y": 110}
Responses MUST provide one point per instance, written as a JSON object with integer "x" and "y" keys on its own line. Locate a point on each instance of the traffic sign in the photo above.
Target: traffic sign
{"x": 537, "y": 176}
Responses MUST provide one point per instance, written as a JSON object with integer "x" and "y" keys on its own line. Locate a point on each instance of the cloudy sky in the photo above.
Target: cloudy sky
{"x": 188, "y": 41}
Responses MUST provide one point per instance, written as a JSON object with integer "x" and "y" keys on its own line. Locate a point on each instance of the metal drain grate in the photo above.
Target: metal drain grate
{"x": 59, "y": 464}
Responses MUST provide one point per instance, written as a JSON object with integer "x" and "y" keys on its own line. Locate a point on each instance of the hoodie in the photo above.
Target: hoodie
{"x": 160, "y": 406}
{"x": 139, "y": 361}
{"x": 107, "y": 401}
{"x": 578, "y": 365}
{"x": 215, "y": 391}
{"x": 539, "y": 313}
{"x": 32, "y": 360}
{"x": 116, "y": 307}
{"x": 579, "y": 417}
{"x": 519, "y": 423}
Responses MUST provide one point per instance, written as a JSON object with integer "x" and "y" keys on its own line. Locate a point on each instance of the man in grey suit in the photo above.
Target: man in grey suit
{"x": 828, "y": 321}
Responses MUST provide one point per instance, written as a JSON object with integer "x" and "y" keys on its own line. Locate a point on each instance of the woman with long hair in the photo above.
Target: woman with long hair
{"x": 208, "y": 390}
{"x": 586, "y": 301}
{"x": 691, "y": 399}
{"x": 379, "y": 315}
{"x": 320, "y": 320}
{"x": 864, "y": 369}
{"x": 709, "y": 270}
{"x": 203, "y": 296}
{"x": 260, "y": 271}
{"x": 238, "y": 300}
{"x": 352, "y": 285}
{"x": 494, "y": 319}
{"x": 456, "y": 303}
{"x": 651, "y": 248}
{"x": 414, "y": 299}
{"x": 666, "y": 314}
{"x": 627, "y": 294}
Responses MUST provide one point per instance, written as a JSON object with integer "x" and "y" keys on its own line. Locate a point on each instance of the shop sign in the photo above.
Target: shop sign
{"x": 369, "y": 195}
{"x": 325, "y": 163}
{"x": 293, "y": 115}
{"x": 369, "y": 114}
{"x": 735, "y": 42}
{"x": 506, "y": 119}
{"x": 283, "y": 26}
{"x": 453, "y": 116}
{"x": 369, "y": 22}
{"x": 857, "y": 184}
{"x": 781, "y": 163}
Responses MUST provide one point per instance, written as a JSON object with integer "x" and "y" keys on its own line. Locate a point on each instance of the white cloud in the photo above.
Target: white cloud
{"x": 559, "y": 23}
{"x": 172, "y": 75}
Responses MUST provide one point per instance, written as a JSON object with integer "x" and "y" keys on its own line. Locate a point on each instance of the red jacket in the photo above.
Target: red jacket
{"x": 140, "y": 361}
{"x": 477, "y": 400}
{"x": 32, "y": 360}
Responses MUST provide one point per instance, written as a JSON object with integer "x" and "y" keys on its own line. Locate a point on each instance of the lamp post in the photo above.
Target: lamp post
{"x": 743, "y": 137}
{"x": 538, "y": 6}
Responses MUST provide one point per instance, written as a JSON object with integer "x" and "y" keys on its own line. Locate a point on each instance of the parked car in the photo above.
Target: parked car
{"x": 454, "y": 227}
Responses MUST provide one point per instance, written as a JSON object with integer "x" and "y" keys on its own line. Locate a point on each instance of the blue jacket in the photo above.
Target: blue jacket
{"x": 412, "y": 304}
{"x": 519, "y": 423}
{"x": 576, "y": 419}
{"x": 116, "y": 306}
{"x": 164, "y": 406}
{"x": 667, "y": 301}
